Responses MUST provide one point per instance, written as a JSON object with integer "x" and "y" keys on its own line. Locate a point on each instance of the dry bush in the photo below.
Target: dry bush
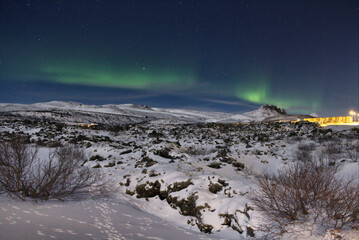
{"x": 333, "y": 150}
{"x": 22, "y": 174}
{"x": 307, "y": 146}
{"x": 307, "y": 192}
{"x": 16, "y": 161}
{"x": 352, "y": 150}
{"x": 341, "y": 205}
{"x": 303, "y": 154}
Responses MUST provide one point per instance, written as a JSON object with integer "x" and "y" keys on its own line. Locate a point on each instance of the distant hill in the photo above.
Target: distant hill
{"x": 72, "y": 112}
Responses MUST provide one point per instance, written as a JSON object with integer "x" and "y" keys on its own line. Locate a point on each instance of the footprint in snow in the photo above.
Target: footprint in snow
{"x": 156, "y": 238}
{"x": 40, "y": 214}
{"x": 59, "y": 230}
{"x": 71, "y": 232}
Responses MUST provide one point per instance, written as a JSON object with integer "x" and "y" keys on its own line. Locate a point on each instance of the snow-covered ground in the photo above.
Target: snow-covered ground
{"x": 86, "y": 219}
{"x": 176, "y": 174}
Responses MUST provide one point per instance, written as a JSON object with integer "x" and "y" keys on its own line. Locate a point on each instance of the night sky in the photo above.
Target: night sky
{"x": 230, "y": 56}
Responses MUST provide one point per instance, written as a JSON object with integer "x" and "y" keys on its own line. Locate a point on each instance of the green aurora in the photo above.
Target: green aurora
{"x": 127, "y": 78}
{"x": 121, "y": 77}
{"x": 259, "y": 91}
{"x": 203, "y": 55}
{"x": 255, "y": 88}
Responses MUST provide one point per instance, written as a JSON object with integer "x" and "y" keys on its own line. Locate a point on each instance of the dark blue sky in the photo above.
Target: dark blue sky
{"x": 215, "y": 55}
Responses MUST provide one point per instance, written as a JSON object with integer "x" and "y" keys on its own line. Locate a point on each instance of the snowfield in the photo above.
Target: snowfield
{"x": 175, "y": 174}
{"x": 86, "y": 219}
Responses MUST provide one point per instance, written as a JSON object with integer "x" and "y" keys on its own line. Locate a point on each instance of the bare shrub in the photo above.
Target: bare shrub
{"x": 16, "y": 161}
{"x": 341, "y": 205}
{"x": 62, "y": 175}
{"x": 22, "y": 174}
{"x": 305, "y": 151}
{"x": 332, "y": 149}
{"x": 306, "y": 192}
{"x": 330, "y": 152}
{"x": 303, "y": 154}
{"x": 352, "y": 150}
{"x": 307, "y": 146}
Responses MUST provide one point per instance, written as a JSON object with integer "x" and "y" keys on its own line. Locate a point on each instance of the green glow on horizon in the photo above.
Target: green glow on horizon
{"x": 259, "y": 91}
{"x": 255, "y": 87}
{"x": 127, "y": 78}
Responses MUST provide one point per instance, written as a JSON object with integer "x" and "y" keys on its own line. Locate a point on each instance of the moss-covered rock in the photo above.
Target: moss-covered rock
{"x": 187, "y": 206}
{"x": 145, "y": 161}
{"x": 97, "y": 166}
{"x": 238, "y": 165}
{"x": 250, "y": 232}
{"x": 178, "y": 186}
{"x": 165, "y": 153}
{"x": 215, "y": 165}
{"x": 223, "y": 182}
{"x": 215, "y": 187}
{"x": 148, "y": 189}
{"x": 110, "y": 164}
{"x": 129, "y": 192}
{"x": 205, "y": 228}
{"x": 96, "y": 157}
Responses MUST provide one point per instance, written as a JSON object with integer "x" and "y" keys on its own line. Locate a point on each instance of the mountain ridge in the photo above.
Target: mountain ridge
{"x": 118, "y": 114}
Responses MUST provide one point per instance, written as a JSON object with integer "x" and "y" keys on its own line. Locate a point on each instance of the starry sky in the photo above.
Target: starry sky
{"x": 230, "y": 56}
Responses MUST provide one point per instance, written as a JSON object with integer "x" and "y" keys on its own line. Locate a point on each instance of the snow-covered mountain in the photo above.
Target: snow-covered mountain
{"x": 72, "y": 112}
{"x": 261, "y": 114}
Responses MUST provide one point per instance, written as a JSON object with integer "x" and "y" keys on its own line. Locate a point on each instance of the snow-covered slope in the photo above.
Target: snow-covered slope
{"x": 171, "y": 180}
{"x": 129, "y": 113}
{"x": 261, "y": 114}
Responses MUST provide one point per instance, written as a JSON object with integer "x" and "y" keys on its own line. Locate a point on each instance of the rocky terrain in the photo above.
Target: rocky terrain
{"x": 192, "y": 169}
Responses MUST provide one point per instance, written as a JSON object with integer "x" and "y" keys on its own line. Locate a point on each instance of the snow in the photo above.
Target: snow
{"x": 314, "y": 115}
{"x": 192, "y": 145}
{"x": 85, "y": 219}
{"x": 136, "y": 111}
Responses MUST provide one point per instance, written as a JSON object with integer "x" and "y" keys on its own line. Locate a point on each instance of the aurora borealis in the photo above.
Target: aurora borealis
{"x": 214, "y": 55}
